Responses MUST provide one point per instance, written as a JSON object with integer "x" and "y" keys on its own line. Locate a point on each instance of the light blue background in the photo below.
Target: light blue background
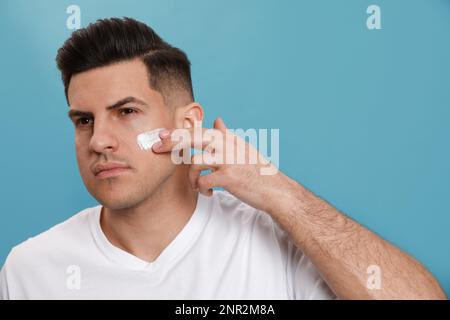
{"x": 364, "y": 116}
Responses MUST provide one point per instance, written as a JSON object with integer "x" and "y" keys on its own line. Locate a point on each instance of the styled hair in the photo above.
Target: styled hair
{"x": 108, "y": 41}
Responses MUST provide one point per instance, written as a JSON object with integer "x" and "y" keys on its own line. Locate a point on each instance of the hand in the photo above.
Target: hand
{"x": 254, "y": 180}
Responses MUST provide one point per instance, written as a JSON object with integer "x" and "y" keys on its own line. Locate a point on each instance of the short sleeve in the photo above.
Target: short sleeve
{"x": 4, "y": 295}
{"x": 307, "y": 283}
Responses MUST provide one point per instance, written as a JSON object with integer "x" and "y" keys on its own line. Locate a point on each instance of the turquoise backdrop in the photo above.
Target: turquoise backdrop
{"x": 364, "y": 115}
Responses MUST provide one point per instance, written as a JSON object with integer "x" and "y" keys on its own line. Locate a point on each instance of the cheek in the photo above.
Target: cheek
{"x": 82, "y": 140}
{"x": 81, "y": 150}
{"x": 138, "y": 128}
{"x": 140, "y": 124}
{"x": 152, "y": 166}
{"x": 147, "y": 139}
{"x": 147, "y": 133}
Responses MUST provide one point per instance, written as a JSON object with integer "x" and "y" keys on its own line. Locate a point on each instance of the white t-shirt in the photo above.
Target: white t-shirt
{"x": 227, "y": 250}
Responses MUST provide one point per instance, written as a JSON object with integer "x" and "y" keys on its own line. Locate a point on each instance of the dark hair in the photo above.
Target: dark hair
{"x": 113, "y": 40}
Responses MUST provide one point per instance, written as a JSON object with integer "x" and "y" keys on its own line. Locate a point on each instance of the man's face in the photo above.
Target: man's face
{"x": 106, "y": 131}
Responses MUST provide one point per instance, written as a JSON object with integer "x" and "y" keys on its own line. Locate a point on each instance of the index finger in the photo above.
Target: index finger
{"x": 182, "y": 138}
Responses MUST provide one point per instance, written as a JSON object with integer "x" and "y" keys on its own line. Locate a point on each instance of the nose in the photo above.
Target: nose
{"x": 103, "y": 138}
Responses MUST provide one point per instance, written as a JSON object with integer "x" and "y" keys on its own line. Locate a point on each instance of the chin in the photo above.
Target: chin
{"x": 116, "y": 203}
{"x": 123, "y": 192}
{"x": 120, "y": 196}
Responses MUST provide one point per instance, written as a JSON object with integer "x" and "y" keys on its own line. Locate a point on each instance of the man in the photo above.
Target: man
{"x": 160, "y": 232}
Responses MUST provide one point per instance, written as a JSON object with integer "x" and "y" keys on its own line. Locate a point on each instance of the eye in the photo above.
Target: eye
{"x": 126, "y": 111}
{"x": 82, "y": 122}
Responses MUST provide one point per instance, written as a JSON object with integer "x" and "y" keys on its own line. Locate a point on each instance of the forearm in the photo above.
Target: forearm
{"x": 342, "y": 250}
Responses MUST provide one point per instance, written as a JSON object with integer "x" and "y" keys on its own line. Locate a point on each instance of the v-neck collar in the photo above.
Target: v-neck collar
{"x": 176, "y": 249}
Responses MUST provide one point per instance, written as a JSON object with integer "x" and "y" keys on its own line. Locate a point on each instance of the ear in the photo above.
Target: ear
{"x": 189, "y": 115}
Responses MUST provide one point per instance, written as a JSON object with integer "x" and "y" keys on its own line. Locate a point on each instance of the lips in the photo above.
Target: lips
{"x": 109, "y": 169}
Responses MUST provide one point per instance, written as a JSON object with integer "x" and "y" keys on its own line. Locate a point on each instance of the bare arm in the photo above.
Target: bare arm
{"x": 343, "y": 250}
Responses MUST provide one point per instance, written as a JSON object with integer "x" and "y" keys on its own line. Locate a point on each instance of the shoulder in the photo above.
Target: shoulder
{"x": 231, "y": 213}
{"x": 51, "y": 242}
{"x": 227, "y": 206}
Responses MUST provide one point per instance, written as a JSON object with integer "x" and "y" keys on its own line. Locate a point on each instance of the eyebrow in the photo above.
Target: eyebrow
{"x": 77, "y": 113}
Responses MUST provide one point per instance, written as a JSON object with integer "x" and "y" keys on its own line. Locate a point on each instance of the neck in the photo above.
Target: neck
{"x": 147, "y": 229}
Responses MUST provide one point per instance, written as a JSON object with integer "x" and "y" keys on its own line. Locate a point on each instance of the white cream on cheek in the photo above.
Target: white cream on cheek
{"x": 147, "y": 139}
{"x": 145, "y": 136}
